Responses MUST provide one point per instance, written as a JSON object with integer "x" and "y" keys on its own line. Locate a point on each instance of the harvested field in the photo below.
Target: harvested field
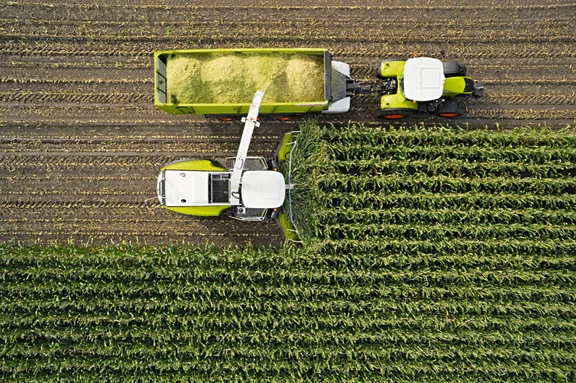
{"x": 81, "y": 141}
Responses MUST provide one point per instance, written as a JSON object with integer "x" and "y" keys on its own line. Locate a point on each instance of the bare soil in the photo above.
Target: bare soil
{"x": 81, "y": 142}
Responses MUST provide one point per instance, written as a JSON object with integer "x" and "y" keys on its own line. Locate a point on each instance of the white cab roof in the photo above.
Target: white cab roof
{"x": 186, "y": 188}
{"x": 423, "y": 79}
{"x": 263, "y": 189}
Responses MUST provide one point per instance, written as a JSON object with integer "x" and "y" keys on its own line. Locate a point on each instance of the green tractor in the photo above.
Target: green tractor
{"x": 423, "y": 84}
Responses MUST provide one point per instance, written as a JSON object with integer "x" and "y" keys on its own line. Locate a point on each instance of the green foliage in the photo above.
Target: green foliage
{"x": 305, "y": 160}
{"x": 165, "y": 314}
{"x": 433, "y": 255}
{"x": 364, "y": 173}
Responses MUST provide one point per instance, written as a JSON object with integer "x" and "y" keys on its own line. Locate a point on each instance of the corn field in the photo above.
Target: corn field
{"x": 432, "y": 254}
{"x": 200, "y": 314}
{"x": 435, "y": 183}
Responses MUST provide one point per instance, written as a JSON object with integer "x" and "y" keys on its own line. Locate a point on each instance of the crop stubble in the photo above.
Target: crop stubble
{"x": 81, "y": 141}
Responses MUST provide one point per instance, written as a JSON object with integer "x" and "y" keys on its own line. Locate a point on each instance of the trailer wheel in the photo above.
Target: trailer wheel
{"x": 220, "y": 117}
{"x": 394, "y": 114}
{"x": 453, "y": 69}
{"x": 449, "y": 109}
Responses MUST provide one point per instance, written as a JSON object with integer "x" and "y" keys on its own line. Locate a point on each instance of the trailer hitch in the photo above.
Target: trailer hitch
{"x": 380, "y": 87}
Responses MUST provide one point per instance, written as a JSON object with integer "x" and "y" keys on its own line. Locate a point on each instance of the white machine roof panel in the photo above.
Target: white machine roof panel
{"x": 423, "y": 79}
{"x": 186, "y": 188}
{"x": 263, "y": 189}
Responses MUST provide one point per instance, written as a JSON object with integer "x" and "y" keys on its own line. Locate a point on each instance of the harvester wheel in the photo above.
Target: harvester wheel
{"x": 452, "y": 69}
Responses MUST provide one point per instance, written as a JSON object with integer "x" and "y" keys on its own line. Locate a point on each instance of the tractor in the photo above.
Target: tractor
{"x": 423, "y": 84}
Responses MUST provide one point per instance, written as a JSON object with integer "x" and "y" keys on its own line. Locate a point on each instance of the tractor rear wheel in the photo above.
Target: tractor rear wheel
{"x": 449, "y": 109}
{"x": 394, "y": 114}
{"x": 452, "y": 69}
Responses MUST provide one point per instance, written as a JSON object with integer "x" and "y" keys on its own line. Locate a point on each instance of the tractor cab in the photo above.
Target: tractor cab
{"x": 263, "y": 189}
{"x": 423, "y": 79}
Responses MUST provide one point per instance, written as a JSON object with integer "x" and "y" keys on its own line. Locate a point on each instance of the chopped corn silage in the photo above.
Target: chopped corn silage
{"x": 234, "y": 78}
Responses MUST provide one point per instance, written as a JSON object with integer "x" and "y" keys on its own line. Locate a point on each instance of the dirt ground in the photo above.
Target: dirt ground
{"x": 81, "y": 142}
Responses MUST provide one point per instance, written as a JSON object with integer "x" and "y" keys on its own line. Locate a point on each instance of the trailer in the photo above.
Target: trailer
{"x": 220, "y": 83}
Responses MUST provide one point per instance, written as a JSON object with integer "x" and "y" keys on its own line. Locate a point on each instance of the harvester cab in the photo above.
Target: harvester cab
{"x": 247, "y": 189}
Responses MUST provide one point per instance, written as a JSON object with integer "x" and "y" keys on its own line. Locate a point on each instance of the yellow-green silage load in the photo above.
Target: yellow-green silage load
{"x": 233, "y": 78}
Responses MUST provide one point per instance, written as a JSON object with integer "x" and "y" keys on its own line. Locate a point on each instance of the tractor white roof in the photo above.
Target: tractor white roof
{"x": 263, "y": 189}
{"x": 186, "y": 188}
{"x": 423, "y": 79}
